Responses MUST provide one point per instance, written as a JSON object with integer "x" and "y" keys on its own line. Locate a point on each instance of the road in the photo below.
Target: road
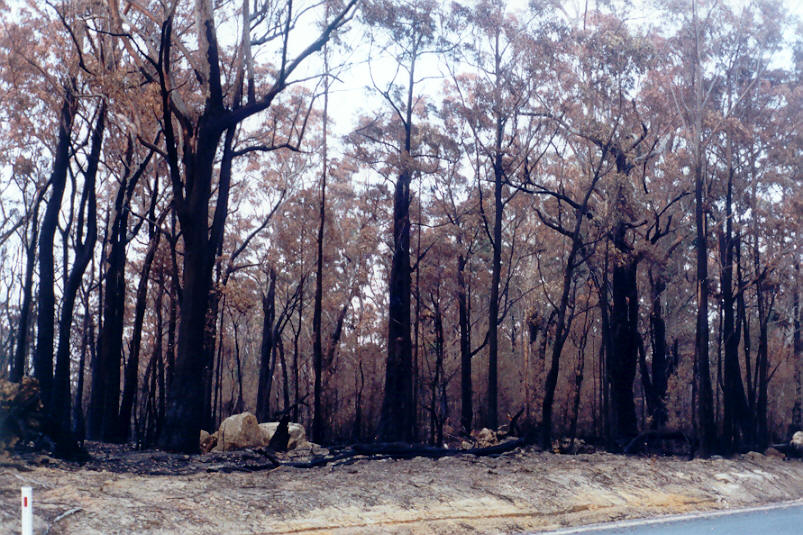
{"x": 784, "y": 519}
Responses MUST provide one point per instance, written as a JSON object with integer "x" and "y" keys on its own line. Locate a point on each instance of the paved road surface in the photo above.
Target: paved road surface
{"x": 777, "y": 520}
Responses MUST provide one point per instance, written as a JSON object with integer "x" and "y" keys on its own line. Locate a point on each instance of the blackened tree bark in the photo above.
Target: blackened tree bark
{"x": 764, "y": 304}
{"x": 266, "y": 350}
{"x": 398, "y": 411}
{"x": 496, "y": 272}
{"x": 317, "y": 344}
{"x": 736, "y": 413}
{"x": 660, "y": 365}
{"x": 624, "y": 358}
{"x": 438, "y": 402}
{"x": 130, "y": 383}
{"x": 84, "y": 249}
{"x": 562, "y": 318}
{"x": 23, "y": 325}
{"x": 87, "y": 343}
{"x": 624, "y": 336}
{"x": 105, "y": 395}
{"x": 192, "y": 177}
{"x": 43, "y": 357}
{"x": 705, "y": 395}
{"x": 563, "y": 324}
{"x": 466, "y": 390}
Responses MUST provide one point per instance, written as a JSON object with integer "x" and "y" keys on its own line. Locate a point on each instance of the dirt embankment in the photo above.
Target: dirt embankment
{"x": 515, "y": 492}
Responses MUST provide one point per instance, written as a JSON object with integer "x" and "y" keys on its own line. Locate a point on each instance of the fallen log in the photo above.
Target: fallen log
{"x": 399, "y": 450}
{"x": 372, "y": 451}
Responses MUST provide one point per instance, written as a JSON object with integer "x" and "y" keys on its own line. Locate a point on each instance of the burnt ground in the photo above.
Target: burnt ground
{"x": 123, "y": 491}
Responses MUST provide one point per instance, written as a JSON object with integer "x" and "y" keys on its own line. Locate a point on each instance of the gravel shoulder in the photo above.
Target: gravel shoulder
{"x": 524, "y": 490}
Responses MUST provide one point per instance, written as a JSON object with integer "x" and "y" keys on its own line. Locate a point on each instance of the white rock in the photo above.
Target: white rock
{"x": 797, "y": 442}
{"x": 239, "y": 431}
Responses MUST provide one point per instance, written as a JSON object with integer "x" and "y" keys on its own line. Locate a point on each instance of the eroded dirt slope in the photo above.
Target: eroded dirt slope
{"x": 518, "y": 491}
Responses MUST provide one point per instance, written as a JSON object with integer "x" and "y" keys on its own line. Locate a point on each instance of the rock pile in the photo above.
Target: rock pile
{"x": 241, "y": 431}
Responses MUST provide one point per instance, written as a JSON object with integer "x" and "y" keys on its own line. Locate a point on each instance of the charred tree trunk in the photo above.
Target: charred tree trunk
{"x": 397, "y": 417}
{"x": 84, "y": 249}
{"x": 466, "y": 390}
{"x": 266, "y": 350}
{"x": 317, "y": 342}
{"x": 563, "y": 324}
{"x": 192, "y": 177}
{"x": 624, "y": 358}
{"x": 762, "y": 374}
{"x": 130, "y": 385}
{"x": 285, "y": 382}
{"x": 496, "y": 275}
{"x": 105, "y": 396}
{"x": 210, "y": 346}
{"x": 296, "y": 357}
{"x": 437, "y": 398}
{"x": 185, "y": 397}
{"x": 736, "y": 410}
{"x": 239, "y": 406}
{"x": 705, "y": 397}
{"x": 660, "y": 366}
{"x": 23, "y": 325}
{"x": 43, "y": 357}
{"x": 87, "y": 339}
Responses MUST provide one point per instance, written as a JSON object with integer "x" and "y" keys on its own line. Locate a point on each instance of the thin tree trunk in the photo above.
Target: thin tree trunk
{"x": 83, "y": 254}
{"x": 266, "y": 350}
{"x": 240, "y": 405}
{"x": 43, "y": 357}
{"x": 466, "y": 390}
{"x": 130, "y": 385}
{"x": 496, "y": 274}
{"x": 87, "y": 337}
{"x": 23, "y": 332}
{"x": 317, "y": 342}
{"x": 705, "y": 402}
{"x": 659, "y": 352}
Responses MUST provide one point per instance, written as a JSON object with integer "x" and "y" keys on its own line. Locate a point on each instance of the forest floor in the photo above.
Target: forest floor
{"x": 128, "y": 492}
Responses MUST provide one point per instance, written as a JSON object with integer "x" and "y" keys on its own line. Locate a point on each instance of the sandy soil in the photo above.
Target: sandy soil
{"x": 515, "y": 492}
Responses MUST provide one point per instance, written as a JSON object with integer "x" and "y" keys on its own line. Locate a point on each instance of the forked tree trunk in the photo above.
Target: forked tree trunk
{"x": 45, "y": 321}
{"x": 130, "y": 384}
{"x": 736, "y": 411}
{"x": 83, "y": 254}
{"x": 105, "y": 394}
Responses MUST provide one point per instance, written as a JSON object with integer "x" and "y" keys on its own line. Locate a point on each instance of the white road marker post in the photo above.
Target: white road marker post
{"x": 27, "y": 511}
